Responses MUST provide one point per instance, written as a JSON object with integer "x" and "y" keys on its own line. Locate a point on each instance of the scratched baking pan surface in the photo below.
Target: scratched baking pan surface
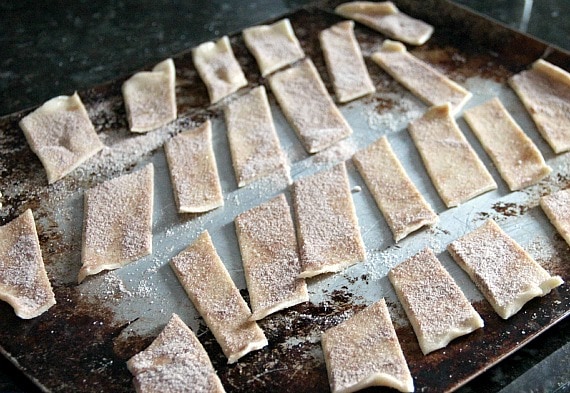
{"x": 83, "y": 342}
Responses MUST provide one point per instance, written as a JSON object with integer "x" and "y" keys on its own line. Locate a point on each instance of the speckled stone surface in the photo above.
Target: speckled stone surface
{"x": 54, "y": 48}
{"x": 546, "y": 19}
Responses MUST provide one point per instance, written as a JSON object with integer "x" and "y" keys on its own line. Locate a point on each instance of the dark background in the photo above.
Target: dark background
{"x": 49, "y": 48}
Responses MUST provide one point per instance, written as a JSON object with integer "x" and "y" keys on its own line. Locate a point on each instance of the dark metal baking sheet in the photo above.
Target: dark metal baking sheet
{"x": 82, "y": 343}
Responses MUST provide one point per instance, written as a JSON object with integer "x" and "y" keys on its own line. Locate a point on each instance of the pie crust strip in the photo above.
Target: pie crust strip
{"x": 557, "y": 209}
{"x": 345, "y": 63}
{"x": 364, "y": 351}
{"x": 61, "y": 134}
{"x": 150, "y": 97}
{"x": 254, "y": 145}
{"x": 503, "y": 271}
{"x": 308, "y": 107}
{"x": 453, "y": 166}
{"x": 24, "y": 283}
{"x": 437, "y": 309}
{"x": 193, "y": 170}
{"x": 424, "y": 81}
{"x": 217, "y": 299}
{"x": 545, "y": 92}
{"x": 174, "y": 362}
{"x": 270, "y": 257}
{"x": 327, "y": 227}
{"x": 402, "y": 205}
{"x": 273, "y": 46}
{"x": 218, "y": 68}
{"x": 517, "y": 158}
{"x": 117, "y": 222}
{"x": 385, "y": 18}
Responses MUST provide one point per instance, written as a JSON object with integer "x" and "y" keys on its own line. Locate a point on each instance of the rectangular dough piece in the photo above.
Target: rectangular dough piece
{"x": 557, "y": 209}
{"x": 150, "y": 97}
{"x": 364, "y": 351}
{"x": 270, "y": 257}
{"x": 385, "y": 18}
{"x": 218, "y": 68}
{"x": 61, "y": 134}
{"x": 517, "y": 158}
{"x": 273, "y": 46}
{"x": 453, "y": 166}
{"x": 254, "y": 145}
{"x": 503, "y": 271}
{"x": 424, "y": 81}
{"x": 545, "y": 92}
{"x": 24, "y": 283}
{"x": 437, "y": 309}
{"x": 212, "y": 291}
{"x": 193, "y": 170}
{"x": 117, "y": 222}
{"x": 327, "y": 227}
{"x": 402, "y": 205}
{"x": 174, "y": 362}
{"x": 306, "y": 103}
{"x": 345, "y": 63}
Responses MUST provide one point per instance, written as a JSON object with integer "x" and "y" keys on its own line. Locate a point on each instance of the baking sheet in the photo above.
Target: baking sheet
{"x": 82, "y": 343}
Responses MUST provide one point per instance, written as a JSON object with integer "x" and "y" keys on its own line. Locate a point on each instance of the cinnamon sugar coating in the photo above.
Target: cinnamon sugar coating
{"x": 435, "y": 305}
{"x": 217, "y": 299}
{"x": 24, "y": 283}
{"x": 175, "y": 362}
{"x": 503, "y": 271}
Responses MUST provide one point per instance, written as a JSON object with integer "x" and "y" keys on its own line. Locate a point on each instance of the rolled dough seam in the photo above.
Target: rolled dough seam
{"x": 174, "y": 360}
{"x": 273, "y": 46}
{"x": 345, "y": 64}
{"x": 270, "y": 258}
{"x": 255, "y": 148}
{"x": 212, "y": 291}
{"x": 310, "y": 110}
{"x": 545, "y": 92}
{"x": 117, "y": 222}
{"x": 385, "y": 18}
{"x": 402, "y": 205}
{"x": 517, "y": 158}
{"x": 193, "y": 170}
{"x": 435, "y": 305}
{"x": 425, "y": 82}
{"x": 328, "y": 231}
{"x": 218, "y": 68}
{"x": 453, "y": 166}
{"x": 503, "y": 271}
{"x": 364, "y": 351}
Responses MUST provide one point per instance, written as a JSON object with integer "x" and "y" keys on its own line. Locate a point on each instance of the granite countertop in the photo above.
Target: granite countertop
{"x": 54, "y": 48}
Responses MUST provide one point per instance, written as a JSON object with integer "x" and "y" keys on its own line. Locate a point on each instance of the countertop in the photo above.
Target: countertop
{"x": 54, "y": 48}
